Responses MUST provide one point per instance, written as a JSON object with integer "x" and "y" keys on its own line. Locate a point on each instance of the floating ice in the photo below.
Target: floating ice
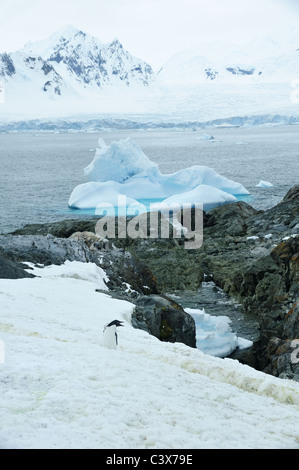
{"x": 209, "y": 194}
{"x": 264, "y": 184}
{"x": 205, "y": 137}
{"x": 119, "y": 162}
{"x": 123, "y": 169}
{"x": 214, "y": 335}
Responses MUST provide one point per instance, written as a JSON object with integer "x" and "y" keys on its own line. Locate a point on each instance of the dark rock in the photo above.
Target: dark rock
{"x": 283, "y": 358}
{"x": 125, "y": 271}
{"x": 174, "y": 267}
{"x": 60, "y": 229}
{"x": 122, "y": 268}
{"x": 291, "y": 322}
{"x": 164, "y": 319}
{"x": 7, "y": 65}
{"x": 278, "y": 219}
{"x": 230, "y": 219}
{"x": 44, "y": 250}
{"x": 245, "y": 356}
{"x": 292, "y": 194}
{"x": 12, "y": 270}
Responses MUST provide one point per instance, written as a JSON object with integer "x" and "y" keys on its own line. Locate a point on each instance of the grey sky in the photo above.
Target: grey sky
{"x": 151, "y": 29}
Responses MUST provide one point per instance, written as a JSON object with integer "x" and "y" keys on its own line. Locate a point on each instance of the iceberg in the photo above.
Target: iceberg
{"x": 205, "y": 137}
{"x": 210, "y": 195}
{"x": 119, "y": 162}
{"x": 264, "y": 184}
{"x": 214, "y": 335}
{"x": 123, "y": 169}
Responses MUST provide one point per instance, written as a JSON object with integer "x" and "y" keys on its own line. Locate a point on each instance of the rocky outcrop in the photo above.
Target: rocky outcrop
{"x": 44, "y": 250}
{"x": 12, "y": 269}
{"x": 125, "y": 272}
{"x": 165, "y": 319}
{"x": 60, "y": 229}
{"x": 292, "y": 194}
{"x": 283, "y": 356}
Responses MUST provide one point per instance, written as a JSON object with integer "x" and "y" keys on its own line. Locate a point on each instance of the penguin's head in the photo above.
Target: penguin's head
{"x": 115, "y": 323}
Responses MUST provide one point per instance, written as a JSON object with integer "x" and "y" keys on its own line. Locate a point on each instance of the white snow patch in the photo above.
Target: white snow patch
{"x": 74, "y": 270}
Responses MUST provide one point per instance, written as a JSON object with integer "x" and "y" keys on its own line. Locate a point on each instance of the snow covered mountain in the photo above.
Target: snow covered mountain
{"x": 71, "y": 62}
{"x": 73, "y": 75}
{"x": 258, "y": 62}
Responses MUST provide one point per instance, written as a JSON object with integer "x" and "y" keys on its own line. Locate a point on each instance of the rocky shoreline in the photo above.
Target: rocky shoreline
{"x": 253, "y": 256}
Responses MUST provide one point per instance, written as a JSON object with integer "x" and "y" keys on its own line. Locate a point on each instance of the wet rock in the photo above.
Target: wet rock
{"x": 123, "y": 269}
{"x": 12, "y": 269}
{"x": 230, "y": 219}
{"x": 164, "y": 319}
{"x": 292, "y": 194}
{"x": 60, "y": 229}
{"x": 291, "y": 322}
{"x": 126, "y": 273}
{"x": 283, "y": 358}
{"x": 43, "y": 250}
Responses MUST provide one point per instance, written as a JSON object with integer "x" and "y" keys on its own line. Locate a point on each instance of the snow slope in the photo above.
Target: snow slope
{"x": 60, "y": 388}
{"x": 262, "y": 60}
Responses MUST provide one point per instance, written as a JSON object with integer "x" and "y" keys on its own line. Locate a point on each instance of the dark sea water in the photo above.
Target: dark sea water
{"x": 39, "y": 171}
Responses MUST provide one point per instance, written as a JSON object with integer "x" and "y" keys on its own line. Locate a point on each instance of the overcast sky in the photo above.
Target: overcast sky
{"x": 150, "y": 29}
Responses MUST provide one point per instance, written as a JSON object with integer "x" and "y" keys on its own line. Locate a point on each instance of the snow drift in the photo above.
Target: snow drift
{"x": 123, "y": 169}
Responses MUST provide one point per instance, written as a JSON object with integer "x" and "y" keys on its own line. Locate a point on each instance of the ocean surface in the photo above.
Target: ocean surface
{"x": 39, "y": 171}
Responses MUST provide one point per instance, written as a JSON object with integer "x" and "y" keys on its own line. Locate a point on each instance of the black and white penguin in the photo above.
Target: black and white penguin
{"x": 110, "y": 334}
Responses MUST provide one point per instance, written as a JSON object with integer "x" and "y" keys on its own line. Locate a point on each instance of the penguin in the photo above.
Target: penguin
{"x": 110, "y": 335}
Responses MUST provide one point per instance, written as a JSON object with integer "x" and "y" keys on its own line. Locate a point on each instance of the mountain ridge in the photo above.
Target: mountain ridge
{"x": 74, "y": 72}
{"x": 73, "y": 59}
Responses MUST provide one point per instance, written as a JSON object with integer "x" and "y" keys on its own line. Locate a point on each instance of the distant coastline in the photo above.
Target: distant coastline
{"x": 98, "y": 124}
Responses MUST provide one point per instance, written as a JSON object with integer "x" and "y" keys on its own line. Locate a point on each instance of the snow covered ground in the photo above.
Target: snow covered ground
{"x": 60, "y": 388}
